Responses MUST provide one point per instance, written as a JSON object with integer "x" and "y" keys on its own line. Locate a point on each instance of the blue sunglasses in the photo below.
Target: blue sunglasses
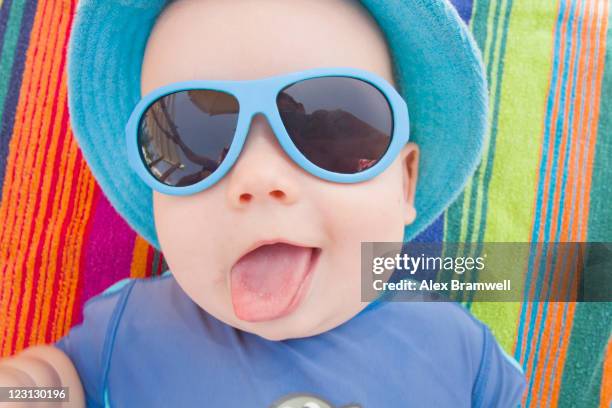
{"x": 343, "y": 125}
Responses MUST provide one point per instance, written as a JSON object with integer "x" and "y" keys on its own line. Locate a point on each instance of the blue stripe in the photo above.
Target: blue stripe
{"x": 464, "y": 9}
{"x": 12, "y": 96}
{"x": 433, "y": 233}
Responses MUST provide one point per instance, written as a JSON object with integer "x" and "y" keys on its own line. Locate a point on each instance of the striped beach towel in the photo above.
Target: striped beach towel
{"x": 546, "y": 175}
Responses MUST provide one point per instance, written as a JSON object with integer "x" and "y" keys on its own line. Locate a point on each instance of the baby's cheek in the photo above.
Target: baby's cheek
{"x": 184, "y": 226}
{"x": 367, "y": 214}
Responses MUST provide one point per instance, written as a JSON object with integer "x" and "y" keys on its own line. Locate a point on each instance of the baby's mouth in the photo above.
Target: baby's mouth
{"x": 270, "y": 281}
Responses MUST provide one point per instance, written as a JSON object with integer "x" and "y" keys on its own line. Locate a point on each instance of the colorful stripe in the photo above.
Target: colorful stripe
{"x": 540, "y": 150}
{"x": 54, "y": 230}
{"x": 548, "y": 325}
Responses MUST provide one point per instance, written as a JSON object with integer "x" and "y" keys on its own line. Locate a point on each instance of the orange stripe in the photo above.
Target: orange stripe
{"x": 12, "y": 184}
{"x": 579, "y": 124}
{"x": 71, "y": 192}
{"x": 579, "y": 232}
{"x": 65, "y": 198}
{"x": 606, "y": 380}
{"x": 86, "y": 213}
{"x": 75, "y": 196}
{"x": 32, "y": 164}
{"x": 597, "y": 104}
{"x": 45, "y": 286}
{"x": 40, "y": 129}
{"x": 563, "y": 322}
{"x": 45, "y": 275}
{"x": 54, "y": 239}
{"x": 43, "y": 194}
{"x": 138, "y": 267}
{"x": 543, "y": 351}
{"x": 565, "y": 134}
{"x": 43, "y": 294}
{"x": 70, "y": 262}
{"x": 569, "y": 322}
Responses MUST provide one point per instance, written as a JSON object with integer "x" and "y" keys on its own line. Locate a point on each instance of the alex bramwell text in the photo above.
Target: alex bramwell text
{"x": 406, "y": 284}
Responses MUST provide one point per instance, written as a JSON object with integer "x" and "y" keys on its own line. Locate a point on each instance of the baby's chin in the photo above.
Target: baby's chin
{"x": 298, "y": 324}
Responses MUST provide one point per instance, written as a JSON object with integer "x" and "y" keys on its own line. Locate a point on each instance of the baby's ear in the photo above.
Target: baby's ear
{"x": 410, "y": 171}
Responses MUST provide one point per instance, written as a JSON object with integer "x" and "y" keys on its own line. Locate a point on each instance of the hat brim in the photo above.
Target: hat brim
{"x": 437, "y": 67}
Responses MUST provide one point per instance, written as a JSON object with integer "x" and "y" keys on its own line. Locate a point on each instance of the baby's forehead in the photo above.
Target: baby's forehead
{"x": 247, "y": 39}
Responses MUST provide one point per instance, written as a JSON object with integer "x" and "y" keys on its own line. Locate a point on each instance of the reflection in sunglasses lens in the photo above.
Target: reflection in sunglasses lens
{"x": 184, "y": 136}
{"x": 340, "y": 124}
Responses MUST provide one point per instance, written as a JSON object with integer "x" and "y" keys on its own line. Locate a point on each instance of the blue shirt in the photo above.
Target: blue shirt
{"x": 145, "y": 343}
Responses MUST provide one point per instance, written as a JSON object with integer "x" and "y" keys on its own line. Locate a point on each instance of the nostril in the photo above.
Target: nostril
{"x": 277, "y": 194}
{"x": 245, "y": 198}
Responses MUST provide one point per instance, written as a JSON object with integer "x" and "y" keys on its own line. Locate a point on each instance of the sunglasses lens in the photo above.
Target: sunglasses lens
{"x": 184, "y": 136}
{"x": 340, "y": 124}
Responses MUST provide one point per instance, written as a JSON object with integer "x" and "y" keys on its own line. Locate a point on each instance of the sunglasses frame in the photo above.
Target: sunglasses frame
{"x": 259, "y": 96}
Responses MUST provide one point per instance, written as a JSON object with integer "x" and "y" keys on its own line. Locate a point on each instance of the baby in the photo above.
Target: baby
{"x": 263, "y": 239}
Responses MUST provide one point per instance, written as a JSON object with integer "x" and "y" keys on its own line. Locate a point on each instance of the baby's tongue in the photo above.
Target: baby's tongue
{"x": 265, "y": 281}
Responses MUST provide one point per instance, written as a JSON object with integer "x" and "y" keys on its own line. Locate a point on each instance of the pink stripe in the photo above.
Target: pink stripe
{"x": 107, "y": 255}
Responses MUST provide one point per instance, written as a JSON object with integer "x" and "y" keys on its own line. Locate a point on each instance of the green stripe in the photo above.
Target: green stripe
{"x": 520, "y": 116}
{"x": 582, "y": 376}
{"x": 582, "y": 373}
{"x": 512, "y": 191}
{"x": 496, "y": 83}
{"x": 488, "y": 33}
{"x": 7, "y": 57}
{"x": 454, "y": 227}
{"x": 495, "y": 35}
{"x": 452, "y": 220}
{"x": 486, "y": 37}
{"x": 492, "y": 40}
{"x": 478, "y": 24}
{"x": 493, "y": 58}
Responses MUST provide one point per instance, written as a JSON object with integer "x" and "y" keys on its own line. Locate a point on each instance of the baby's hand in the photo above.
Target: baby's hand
{"x": 42, "y": 366}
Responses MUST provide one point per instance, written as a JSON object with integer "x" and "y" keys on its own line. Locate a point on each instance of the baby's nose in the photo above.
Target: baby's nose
{"x": 263, "y": 171}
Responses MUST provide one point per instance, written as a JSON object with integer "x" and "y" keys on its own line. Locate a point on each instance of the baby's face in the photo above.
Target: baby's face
{"x": 271, "y": 249}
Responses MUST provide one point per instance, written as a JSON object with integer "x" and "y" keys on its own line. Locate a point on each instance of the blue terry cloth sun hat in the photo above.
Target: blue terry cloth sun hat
{"x": 437, "y": 67}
